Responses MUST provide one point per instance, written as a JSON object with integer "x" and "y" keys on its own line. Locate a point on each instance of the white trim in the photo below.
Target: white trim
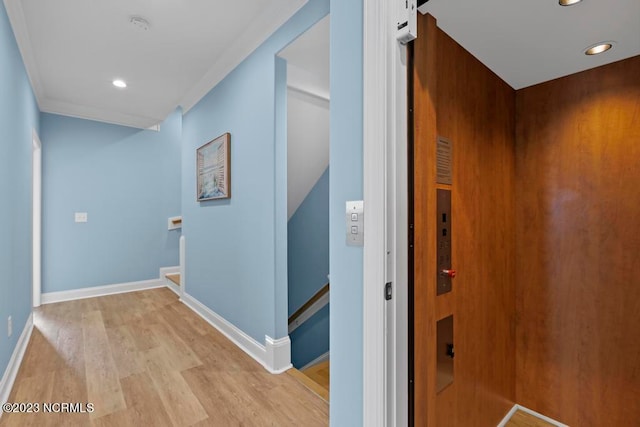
{"x": 517, "y": 407}
{"x": 88, "y": 112}
{"x": 309, "y": 93}
{"x": 36, "y": 219}
{"x": 164, "y": 271}
{"x": 309, "y": 312}
{"x": 99, "y": 291}
{"x": 322, "y": 358}
{"x": 183, "y": 274}
{"x": 398, "y": 244}
{"x": 274, "y": 355}
{"x": 507, "y": 417}
{"x": 9, "y": 377}
{"x": 278, "y": 354}
{"x": 21, "y": 33}
{"x": 172, "y": 286}
{"x": 376, "y": 28}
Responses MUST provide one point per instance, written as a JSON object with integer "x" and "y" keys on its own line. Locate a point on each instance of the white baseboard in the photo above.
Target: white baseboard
{"x": 319, "y": 359}
{"x": 278, "y": 354}
{"x": 163, "y": 276}
{"x": 507, "y": 417}
{"x": 517, "y": 407}
{"x": 99, "y": 291}
{"x": 119, "y": 288}
{"x": 274, "y": 355}
{"x": 172, "y": 286}
{"x": 6, "y": 384}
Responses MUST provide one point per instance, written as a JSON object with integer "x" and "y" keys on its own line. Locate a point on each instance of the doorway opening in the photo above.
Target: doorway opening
{"x": 307, "y": 136}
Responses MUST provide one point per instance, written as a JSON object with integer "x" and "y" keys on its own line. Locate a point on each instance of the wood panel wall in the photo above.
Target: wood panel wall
{"x": 457, "y": 97}
{"x": 578, "y": 248}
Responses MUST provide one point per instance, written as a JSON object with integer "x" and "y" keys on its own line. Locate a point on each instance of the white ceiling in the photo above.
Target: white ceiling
{"x": 308, "y": 60}
{"x": 526, "y": 42}
{"x": 73, "y": 49}
{"x": 307, "y": 145}
{"x": 307, "y": 111}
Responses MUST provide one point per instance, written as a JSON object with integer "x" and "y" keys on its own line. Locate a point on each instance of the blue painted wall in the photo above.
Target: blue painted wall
{"x": 128, "y": 182}
{"x": 18, "y": 117}
{"x": 311, "y": 339}
{"x": 308, "y": 245}
{"x": 234, "y": 247}
{"x": 308, "y": 266}
{"x": 345, "y": 184}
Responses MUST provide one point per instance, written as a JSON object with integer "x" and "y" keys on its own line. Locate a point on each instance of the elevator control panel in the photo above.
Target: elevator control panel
{"x": 444, "y": 271}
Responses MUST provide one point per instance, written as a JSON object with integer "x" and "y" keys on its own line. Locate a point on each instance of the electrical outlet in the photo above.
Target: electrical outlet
{"x": 9, "y": 326}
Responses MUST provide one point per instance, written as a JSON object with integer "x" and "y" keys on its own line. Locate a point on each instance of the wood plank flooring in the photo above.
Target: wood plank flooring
{"x": 524, "y": 419}
{"x": 145, "y": 359}
{"x": 319, "y": 373}
{"x": 310, "y": 384}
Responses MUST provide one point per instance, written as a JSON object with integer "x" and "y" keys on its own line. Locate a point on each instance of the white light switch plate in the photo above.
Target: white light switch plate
{"x": 81, "y": 217}
{"x": 354, "y": 217}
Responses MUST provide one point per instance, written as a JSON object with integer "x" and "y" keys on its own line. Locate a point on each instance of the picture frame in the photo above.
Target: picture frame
{"x": 213, "y": 169}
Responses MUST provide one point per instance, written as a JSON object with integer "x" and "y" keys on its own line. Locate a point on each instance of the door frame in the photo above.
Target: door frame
{"x": 385, "y": 376}
{"x": 36, "y": 215}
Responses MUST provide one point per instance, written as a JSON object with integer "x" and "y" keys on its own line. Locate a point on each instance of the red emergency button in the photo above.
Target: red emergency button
{"x": 448, "y": 273}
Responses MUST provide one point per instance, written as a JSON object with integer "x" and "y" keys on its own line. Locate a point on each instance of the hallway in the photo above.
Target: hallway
{"x": 143, "y": 358}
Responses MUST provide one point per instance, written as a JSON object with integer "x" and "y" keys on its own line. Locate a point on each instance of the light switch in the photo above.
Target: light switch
{"x": 355, "y": 223}
{"x": 81, "y": 217}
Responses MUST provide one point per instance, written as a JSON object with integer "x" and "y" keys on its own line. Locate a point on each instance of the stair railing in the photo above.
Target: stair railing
{"x": 309, "y": 308}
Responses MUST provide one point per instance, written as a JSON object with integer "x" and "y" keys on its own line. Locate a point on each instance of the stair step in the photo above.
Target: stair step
{"x": 175, "y": 278}
{"x": 312, "y": 385}
{"x": 319, "y": 373}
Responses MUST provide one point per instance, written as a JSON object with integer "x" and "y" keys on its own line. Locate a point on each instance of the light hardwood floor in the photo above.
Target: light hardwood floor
{"x": 319, "y": 373}
{"x": 523, "y": 419}
{"x": 145, "y": 359}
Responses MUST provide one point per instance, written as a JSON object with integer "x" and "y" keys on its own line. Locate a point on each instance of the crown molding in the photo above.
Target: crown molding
{"x": 98, "y": 114}
{"x": 21, "y": 33}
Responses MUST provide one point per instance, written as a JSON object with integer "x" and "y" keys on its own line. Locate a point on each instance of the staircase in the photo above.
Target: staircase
{"x": 314, "y": 375}
{"x": 315, "y": 378}
{"x": 173, "y": 281}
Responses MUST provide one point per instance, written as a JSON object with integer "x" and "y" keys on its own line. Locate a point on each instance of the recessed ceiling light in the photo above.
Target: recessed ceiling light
{"x": 568, "y": 2}
{"x": 119, "y": 83}
{"x": 598, "y": 48}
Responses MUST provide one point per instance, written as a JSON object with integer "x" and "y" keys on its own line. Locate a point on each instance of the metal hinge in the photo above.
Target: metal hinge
{"x": 388, "y": 291}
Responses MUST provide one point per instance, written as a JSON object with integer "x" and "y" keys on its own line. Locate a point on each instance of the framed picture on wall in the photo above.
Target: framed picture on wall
{"x": 213, "y": 169}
